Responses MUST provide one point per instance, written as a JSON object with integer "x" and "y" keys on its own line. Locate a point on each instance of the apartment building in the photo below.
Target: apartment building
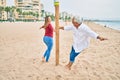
{"x": 26, "y": 7}
{"x": 3, "y": 14}
{"x": 2, "y": 2}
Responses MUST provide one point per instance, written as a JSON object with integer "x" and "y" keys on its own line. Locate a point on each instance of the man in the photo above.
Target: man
{"x": 81, "y": 38}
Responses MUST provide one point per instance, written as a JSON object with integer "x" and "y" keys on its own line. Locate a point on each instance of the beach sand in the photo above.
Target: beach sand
{"x": 21, "y": 49}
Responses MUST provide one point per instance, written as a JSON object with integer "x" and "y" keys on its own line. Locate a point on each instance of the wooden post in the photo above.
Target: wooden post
{"x": 56, "y": 4}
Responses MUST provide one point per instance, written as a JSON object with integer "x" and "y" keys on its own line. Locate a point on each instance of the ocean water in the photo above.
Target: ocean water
{"x": 111, "y": 24}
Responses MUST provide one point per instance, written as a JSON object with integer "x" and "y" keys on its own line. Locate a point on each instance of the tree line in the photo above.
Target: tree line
{"x": 10, "y": 10}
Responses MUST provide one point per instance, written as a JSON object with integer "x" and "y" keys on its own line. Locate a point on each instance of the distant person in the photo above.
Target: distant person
{"x": 105, "y": 26}
{"x": 48, "y": 38}
{"x": 81, "y": 38}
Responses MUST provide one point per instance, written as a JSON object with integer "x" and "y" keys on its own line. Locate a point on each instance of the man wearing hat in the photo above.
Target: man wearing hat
{"x": 81, "y": 38}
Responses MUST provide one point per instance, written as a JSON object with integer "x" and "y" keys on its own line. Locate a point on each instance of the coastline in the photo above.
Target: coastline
{"x": 112, "y": 24}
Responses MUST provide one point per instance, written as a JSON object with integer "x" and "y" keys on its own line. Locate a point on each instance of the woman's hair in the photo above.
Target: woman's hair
{"x": 46, "y": 21}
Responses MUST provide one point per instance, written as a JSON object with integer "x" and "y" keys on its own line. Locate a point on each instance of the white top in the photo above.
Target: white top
{"x": 81, "y": 36}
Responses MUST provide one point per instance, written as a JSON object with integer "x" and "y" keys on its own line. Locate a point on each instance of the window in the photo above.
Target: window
{"x": 20, "y": 0}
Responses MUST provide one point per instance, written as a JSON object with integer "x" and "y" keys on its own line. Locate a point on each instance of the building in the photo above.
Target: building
{"x": 28, "y": 9}
{"x": 3, "y": 14}
{"x": 2, "y": 2}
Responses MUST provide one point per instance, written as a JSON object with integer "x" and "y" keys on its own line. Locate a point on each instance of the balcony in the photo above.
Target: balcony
{"x": 35, "y": 0}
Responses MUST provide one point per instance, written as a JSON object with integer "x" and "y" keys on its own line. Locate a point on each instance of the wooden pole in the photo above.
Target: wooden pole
{"x": 57, "y": 30}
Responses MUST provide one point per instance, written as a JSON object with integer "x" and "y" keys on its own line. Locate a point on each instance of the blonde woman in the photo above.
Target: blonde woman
{"x": 48, "y": 38}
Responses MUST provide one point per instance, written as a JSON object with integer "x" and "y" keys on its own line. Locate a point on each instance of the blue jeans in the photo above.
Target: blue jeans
{"x": 49, "y": 43}
{"x": 73, "y": 55}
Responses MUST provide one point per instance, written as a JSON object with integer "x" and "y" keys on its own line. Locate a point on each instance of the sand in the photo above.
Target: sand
{"x": 21, "y": 49}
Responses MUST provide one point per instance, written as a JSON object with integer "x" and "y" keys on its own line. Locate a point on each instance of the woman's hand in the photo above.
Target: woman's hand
{"x": 41, "y": 27}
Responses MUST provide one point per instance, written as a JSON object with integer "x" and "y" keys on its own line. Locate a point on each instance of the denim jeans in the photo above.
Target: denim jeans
{"x": 49, "y": 43}
{"x": 73, "y": 55}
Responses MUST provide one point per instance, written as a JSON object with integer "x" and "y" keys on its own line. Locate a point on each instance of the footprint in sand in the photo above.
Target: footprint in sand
{"x": 58, "y": 77}
{"x": 47, "y": 78}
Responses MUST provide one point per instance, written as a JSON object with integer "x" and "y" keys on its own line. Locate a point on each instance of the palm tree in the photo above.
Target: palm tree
{"x": 7, "y": 9}
{"x": 19, "y": 11}
{"x": 42, "y": 13}
{"x": 1, "y": 10}
{"x": 37, "y": 15}
{"x": 31, "y": 13}
{"x": 12, "y": 10}
{"x": 34, "y": 15}
{"x": 52, "y": 17}
{"x": 24, "y": 13}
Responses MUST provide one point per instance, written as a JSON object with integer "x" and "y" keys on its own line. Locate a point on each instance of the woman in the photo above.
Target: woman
{"x": 48, "y": 38}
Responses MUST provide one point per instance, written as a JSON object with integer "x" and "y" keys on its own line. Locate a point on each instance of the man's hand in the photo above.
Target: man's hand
{"x": 101, "y": 38}
{"x": 61, "y": 28}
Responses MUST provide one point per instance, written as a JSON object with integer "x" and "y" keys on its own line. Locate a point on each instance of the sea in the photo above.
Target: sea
{"x": 111, "y": 24}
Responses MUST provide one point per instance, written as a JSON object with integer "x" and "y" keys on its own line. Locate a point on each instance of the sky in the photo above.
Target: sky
{"x": 98, "y": 9}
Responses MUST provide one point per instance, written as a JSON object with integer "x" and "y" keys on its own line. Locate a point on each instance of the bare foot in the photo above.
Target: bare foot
{"x": 43, "y": 59}
{"x": 68, "y": 67}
